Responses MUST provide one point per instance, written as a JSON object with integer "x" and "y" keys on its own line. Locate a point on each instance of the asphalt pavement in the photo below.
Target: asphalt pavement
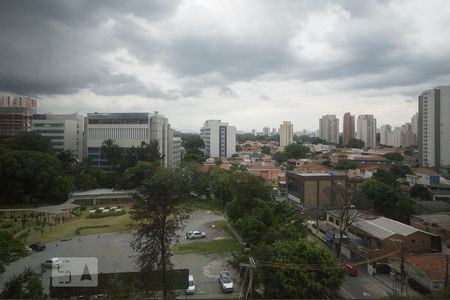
{"x": 115, "y": 254}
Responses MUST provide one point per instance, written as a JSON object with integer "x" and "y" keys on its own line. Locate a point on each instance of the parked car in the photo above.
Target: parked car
{"x": 53, "y": 262}
{"x": 37, "y": 246}
{"x": 226, "y": 282}
{"x": 191, "y": 286}
{"x": 28, "y": 250}
{"x": 351, "y": 270}
{"x": 195, "y": 234}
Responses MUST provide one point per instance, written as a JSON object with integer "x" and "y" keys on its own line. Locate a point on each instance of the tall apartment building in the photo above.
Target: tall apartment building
{"x": 286, "y": 133}
{"x": 386, "y": 135}
{"x": 266, "y": 131}
{"x": 434, "y": 127}
{"x": 397, "y": 137}
{"x": 329, "y": 129}
{"x": 176, "y": 157}
{"x": 127, "y": 130}
{"x": 16, "y": 114}
{"x": 219, "y": 138}
{"x": 349, "y": 128}
{"x": 65, "y": 131}
{"x": 367, "y": 130}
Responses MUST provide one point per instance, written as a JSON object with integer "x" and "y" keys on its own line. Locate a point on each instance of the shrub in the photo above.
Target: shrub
{"x": 79, "y": 229}
{"x": 107, "y": 214}
{"x": 6, "y": 225}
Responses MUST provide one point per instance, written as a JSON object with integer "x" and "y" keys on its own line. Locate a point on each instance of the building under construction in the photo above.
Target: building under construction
{"x": 16, "y": 114}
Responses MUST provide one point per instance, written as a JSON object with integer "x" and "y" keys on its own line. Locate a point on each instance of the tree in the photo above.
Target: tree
{"x": 32, "y": 141}
{"x": 157, "y": 219}
{"x": 394, "y": 156}
{"x": 355, "y": 143}
{"x": 346, "y": 164}
{"x": 24, "y": 286}
{"x": 296, "y": 151}
{"x": 420, "y": 191}
{"x": 30, "y": 176}
{"x": 388, "y": 200}
{"x": 297, "y": 269}
{"x": 192, "y": 143}
{"x": 400, "y": 171}
{"x": 111, "y": 152}
{"x": 10, "y": 247}
{"x": 135, "y": 176}
{"x": 344, "y": 206}
{"x": 386, "y": 177}
{"x": 67, "y": 159}
{"x": 265, "y": 150}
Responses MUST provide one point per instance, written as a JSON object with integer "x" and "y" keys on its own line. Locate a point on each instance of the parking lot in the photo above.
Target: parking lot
{"x": 115, "y": 255}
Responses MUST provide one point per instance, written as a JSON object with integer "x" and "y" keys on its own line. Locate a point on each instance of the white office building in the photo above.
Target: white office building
{"x": 219, "y": 138}
{"x": 65, "y": 131}
{"x": 367, "y": 130}
{"x": 286, "y": 133}
{"x": 329, "y": 129}
{"x": 127, "y": 130}
{"x": 434, "y": 127}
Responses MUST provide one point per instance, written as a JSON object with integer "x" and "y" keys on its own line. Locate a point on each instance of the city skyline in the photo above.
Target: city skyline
{"x": 201, "y": 60}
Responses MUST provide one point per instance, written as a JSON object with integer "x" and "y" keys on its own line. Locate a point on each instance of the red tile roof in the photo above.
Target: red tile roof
{"x": 312, "y": 167}
{"x": 433, "y": 265}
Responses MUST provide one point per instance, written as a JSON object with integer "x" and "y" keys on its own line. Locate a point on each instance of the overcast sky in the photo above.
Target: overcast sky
{"x": 249, "y": 63}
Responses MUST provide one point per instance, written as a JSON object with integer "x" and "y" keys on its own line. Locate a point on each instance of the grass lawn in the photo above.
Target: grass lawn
{"x": 212, "y": 205}
{"x": 210, "y": 247}
{"x": 230, "y": 244}
{"x": 81, "y": 225}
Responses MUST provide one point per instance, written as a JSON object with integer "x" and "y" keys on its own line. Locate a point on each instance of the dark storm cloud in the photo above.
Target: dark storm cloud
{"x": 58, "y": 47}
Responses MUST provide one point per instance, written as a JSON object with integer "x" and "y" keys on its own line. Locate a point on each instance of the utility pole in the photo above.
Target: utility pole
{"x": 446, "y": 270}
{"x": 402, "y": 267}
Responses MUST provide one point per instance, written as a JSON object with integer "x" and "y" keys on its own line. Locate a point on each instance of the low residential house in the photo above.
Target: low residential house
{"x": 312, "y": 167}
{"x": 438, "y": 224}
{"x": 438, "y": 186}
{"x": 369, "y": 159}
{"x": 376, "y": 239}
{"x": 269, "y": 173}
{"x": 426, "y": 269}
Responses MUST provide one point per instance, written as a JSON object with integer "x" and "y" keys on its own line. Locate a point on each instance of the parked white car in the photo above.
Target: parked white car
{"x": 53, "y": 262}
{"x": 191, "y": 286}
{"x": 195, "y": 234}
{"x": 226, "y": 283}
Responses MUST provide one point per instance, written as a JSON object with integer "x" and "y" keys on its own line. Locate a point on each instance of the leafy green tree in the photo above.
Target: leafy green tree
{"x": 27, "y": 285}
{"x": 31, "y": 177}
{"x": 135, "y": 176}
{"x": 386, "y": 177}
{"x": 394, "y": 156}
{"x": 265, "y": 150}
{"x": 346, "y": 164}
{"x": 298, "y": 269}
{"x": 400, "y": 171}
{"x": 67, "y": 159}
{"x": 111, "y": 151}
{"x": 32, "y": 141}
{"x": 421, "y": 192}
{"x": 10, "y": 247}
{"x": 245, "y": 190}
{"x": 355, "y": 143}
{"x": 270, "y": 221}
{"x": 388, "y": 200}
{"x": 157, "y": 219}
{"x": 192, "y": 143}
{"x": 296, "y": 151}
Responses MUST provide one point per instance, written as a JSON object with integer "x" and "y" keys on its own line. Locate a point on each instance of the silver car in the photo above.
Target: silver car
{"x": 226, "y": 282}
{"x": 195, "y": 235}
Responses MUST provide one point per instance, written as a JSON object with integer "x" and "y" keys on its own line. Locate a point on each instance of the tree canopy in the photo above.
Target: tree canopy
{"x": 355, "y": 143}
{"x": 296, "y": 151}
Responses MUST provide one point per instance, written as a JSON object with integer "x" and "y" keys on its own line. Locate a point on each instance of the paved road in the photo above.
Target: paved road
{"x": 115, "y": 255}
